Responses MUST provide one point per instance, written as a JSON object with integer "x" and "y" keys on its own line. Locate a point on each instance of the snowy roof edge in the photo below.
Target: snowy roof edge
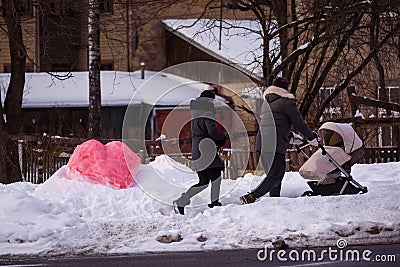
{"x": 210, "y": 52}
{"x": 118, "y": 90}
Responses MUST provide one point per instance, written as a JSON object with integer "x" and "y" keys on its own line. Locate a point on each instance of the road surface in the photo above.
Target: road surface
{"x": 375, "y": 255}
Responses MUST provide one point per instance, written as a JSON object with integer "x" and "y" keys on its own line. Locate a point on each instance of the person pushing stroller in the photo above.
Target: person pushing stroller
{"x": 278, "y": 114}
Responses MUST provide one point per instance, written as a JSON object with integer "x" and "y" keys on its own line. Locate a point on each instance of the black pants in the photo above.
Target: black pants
{"x": 205, "y": 176}
{"x": 276, "y": 171}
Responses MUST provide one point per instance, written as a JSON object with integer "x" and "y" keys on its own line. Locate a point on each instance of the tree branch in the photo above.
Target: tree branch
{"x": 340, "y": 87}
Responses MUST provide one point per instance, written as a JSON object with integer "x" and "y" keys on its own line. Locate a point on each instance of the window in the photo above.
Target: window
{"x": 65, "y": 8}
{"x": 106, "y": 6}
{"x": 29, "y": 68}
{"x": 7, "y": 68}
{"x": 24, "y": 8}
{"x": 61, "y": 67}
{"x": 388, "y": 135}
{"x": 333, "y": 110}
{"x": 107, "y": 66}
{"x": 392, "y": 93}
{"x": 3, "y": 9}
{"x": 54, "y": 7}
{"x": 69, "y": 8}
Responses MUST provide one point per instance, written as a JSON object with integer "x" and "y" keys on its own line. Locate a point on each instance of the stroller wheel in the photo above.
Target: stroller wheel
{"x": 308, "y": 194}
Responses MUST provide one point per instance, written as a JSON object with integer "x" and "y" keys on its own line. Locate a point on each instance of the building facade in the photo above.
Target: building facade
{"x": 56, "y": 37}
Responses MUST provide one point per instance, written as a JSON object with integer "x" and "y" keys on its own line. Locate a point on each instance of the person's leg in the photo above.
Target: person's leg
{"x": 194, "y": 189}
{"x": 274, "y": 177}
{"x": 215, "y": 177}
{"x": 276, "y": 191}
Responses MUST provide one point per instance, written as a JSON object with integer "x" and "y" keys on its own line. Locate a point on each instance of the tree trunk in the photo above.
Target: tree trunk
{"x": 10, "y": 171}
{"x": 9, "y": 161}
{"x": 374, "y": 34}
{"x": 13, "y": 101}
{"x": 94, "y": 70}
{"x": 3, "y": 152}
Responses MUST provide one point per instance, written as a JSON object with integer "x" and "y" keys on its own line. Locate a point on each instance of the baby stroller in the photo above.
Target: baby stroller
{"x": 330, "y": 166}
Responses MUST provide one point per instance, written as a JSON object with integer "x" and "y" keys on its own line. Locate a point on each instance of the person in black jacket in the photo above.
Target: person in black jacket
{"x": 205, "y": 160}
{"x": 279, "y": 112}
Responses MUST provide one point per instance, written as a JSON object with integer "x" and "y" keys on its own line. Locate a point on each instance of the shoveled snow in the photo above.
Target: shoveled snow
{"x": 358, "y": 114}
{"x": 68, "y": 216}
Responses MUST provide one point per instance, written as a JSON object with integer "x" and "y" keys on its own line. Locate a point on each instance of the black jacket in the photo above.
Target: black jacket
{"x": 204, "y": 128}
{"x": 278, "y": 114}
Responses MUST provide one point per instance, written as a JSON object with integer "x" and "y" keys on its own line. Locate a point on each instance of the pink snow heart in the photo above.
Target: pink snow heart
{"x": 113, "y": 164}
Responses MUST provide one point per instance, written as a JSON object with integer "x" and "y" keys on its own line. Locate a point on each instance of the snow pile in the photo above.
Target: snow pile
{"x": 359, "y": 114}
{"x": 113, "y": 164}
{"x": 29, "y": 224}
{"x": 72, "y": 216}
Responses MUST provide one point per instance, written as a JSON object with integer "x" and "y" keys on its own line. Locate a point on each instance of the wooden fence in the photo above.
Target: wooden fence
{"x": 37, "y": 164}
{"x": 378, "y": 155}
{"x": 42, "y": 157}
{"x": 39, "y": 158}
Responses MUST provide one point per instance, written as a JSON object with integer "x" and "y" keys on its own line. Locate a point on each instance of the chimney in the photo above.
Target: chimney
{"x": 142, "y": 65}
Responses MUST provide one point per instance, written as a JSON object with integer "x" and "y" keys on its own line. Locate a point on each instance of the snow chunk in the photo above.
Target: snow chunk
{"x": 29, "y": 224}
{"x": 358, "y": 114}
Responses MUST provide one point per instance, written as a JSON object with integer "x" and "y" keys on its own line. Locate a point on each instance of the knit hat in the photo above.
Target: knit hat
{"x": 281, "y": 82}
{"x": 208, "y": 94}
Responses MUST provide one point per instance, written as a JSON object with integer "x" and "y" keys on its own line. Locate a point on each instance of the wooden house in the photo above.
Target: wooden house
{"x": 143, "y": 99}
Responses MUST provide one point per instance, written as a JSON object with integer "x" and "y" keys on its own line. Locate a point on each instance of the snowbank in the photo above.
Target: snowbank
{"x": 70, "y": 216}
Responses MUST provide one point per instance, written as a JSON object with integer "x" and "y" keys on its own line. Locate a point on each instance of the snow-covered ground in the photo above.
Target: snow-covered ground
{"x": 69, "y": 216}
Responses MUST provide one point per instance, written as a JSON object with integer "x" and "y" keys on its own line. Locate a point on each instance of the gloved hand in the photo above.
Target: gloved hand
{"x": 315, "y": 141}
{"x": 220, "y": 142}
{"x": 295, "y": 139}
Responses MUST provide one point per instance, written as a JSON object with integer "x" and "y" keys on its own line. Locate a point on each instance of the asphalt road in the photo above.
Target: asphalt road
{"x": 376, "y": 255}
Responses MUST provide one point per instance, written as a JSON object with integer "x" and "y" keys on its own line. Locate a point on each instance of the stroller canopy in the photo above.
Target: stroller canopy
{"x": 334, "y": 133}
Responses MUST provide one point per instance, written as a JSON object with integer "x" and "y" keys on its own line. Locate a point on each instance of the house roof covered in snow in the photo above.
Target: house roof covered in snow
{"x": 117, "y": 89}
{"x": 241, "y": 42}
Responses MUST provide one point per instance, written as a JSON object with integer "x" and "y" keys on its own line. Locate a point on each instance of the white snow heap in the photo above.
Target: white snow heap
{"x": 69, "y": 216}
{"x": 358, "y": 114}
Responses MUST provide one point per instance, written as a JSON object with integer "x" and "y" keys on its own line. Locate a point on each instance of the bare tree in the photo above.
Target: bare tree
{"x": 318, "y": 38}
{"x": 13, "y": 122}
{"x": 95, "y": 127}
{"x": 13, "y": 101}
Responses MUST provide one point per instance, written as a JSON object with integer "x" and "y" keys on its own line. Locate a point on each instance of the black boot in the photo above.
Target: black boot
{"x": 247, "y": 199}
{"x": 266, "y": 186}
{"x": 184, "y": 200}
{"x": 178, "y": 209}
{"x": 214, "y": 204}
